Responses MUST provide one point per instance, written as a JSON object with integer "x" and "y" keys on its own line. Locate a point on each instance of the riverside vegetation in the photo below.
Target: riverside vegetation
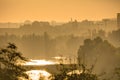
{"x": 10, "y": 70}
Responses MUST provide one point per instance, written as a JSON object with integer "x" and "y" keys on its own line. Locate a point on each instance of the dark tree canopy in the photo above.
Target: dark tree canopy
{"x": 9, "y": 57}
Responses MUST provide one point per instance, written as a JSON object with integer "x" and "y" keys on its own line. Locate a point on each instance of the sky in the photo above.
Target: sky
{"x": 57, "y": 10}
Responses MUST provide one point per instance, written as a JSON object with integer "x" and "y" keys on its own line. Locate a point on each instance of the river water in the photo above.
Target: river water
{"x": 38, "y": 74}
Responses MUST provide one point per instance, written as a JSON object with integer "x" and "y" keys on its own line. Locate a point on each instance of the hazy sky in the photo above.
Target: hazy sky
{"x": 58, "y": 10}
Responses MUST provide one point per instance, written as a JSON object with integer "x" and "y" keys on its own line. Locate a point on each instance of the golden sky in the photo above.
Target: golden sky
{"x": 58, "y": 10}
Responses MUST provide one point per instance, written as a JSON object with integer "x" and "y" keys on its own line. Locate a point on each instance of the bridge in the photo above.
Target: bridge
{"x": 52, "y": 68}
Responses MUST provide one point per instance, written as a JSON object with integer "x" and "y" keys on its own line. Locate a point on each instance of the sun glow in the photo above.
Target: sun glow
{"x": 75, "y": 72}
{"x": 39, "y": 62}
{"x": 38, "y": 74}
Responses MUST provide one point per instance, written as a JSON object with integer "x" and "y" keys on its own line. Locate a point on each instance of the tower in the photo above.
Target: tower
{"x": 118, "y": 20}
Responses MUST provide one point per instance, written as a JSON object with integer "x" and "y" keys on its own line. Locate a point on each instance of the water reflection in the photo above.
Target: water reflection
{"x": 38, "y": 74}
{"x": 75, "y": 72}
{"x": 39, "y": 62}
{"x": 44, "y": 75}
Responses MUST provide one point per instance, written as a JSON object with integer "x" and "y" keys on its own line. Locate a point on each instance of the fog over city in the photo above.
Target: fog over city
{"x": 59, "y": 40}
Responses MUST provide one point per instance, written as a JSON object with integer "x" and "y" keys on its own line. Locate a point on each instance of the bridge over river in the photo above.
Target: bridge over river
{"x": 52, "y": 68}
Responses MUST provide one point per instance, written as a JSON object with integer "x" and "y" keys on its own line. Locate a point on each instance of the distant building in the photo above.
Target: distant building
{"x": 118, "y": 20}
{"x": 27, "y": 22}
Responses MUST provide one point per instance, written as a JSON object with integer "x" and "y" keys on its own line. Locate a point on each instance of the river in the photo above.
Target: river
{"x": 38, "y": 74}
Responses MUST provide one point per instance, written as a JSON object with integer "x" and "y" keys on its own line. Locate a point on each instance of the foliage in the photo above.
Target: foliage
{"x": 75, "y": 76}
{"x": 114, "y": 37}
{"x": 68, "y": 73}
{"x": 9, "y": 58}
{"x": 82, "y": 76}
{"x": 97, "y": 50}
{"x": 102, "y": 52}
{"x": 117, "y": 72}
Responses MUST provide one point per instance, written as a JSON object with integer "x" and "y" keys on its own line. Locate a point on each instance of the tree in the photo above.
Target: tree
{"x": 101, "y": 53}
{"x": 70, "y": 73}
{"x": 9, "y": 57}
{"x": 117, "y": 72}
{"x": 114, "y": 37}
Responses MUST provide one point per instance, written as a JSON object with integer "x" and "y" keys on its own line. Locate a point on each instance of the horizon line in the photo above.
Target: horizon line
{"x": 64, "y": 21}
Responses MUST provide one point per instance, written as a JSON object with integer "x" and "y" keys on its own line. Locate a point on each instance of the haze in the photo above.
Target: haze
{"x": 58, "y": 10}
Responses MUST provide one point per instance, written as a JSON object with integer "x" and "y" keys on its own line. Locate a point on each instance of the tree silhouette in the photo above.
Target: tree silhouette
{"x": 9, "y": 57}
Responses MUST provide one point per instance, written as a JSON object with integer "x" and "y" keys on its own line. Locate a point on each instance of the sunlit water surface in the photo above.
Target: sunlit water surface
{"x": 38, "y": 74}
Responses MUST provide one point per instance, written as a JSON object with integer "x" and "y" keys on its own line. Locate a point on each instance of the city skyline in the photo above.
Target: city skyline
{"x": 60, "y": 11}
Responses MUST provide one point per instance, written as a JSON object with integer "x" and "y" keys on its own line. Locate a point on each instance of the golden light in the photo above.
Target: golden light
{"x": 39, "y": 62}
{"x": 75, "y": 72}
{"x": 37, "y": 74}
{"x": 59, "y": 57}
